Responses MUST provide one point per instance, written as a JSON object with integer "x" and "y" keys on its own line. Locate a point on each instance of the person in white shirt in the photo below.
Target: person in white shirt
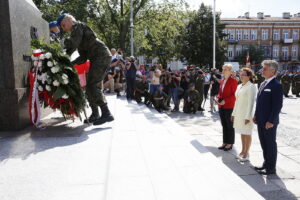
{"x": 243, "y": 111}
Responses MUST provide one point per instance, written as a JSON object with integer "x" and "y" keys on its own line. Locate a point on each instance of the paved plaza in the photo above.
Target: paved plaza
{"x": 207, "y": 129}
{"x": 142, "y": 155}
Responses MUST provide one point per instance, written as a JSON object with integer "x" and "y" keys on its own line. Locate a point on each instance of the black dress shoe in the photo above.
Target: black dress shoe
{"x": 228, "y": 148}
{"x": 222, "y": 147}
{"x": 259, "y": 168}
{"x": 267, "y": 172}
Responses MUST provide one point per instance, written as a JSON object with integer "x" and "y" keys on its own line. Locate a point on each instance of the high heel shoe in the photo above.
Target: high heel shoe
{"x": 245, "y": 159}
{"x": 222, "y": 147}
{"x": 227, "y": 148}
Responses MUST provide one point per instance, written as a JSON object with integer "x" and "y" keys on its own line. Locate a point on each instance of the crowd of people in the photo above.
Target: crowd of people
{"x": 234, "y": 93}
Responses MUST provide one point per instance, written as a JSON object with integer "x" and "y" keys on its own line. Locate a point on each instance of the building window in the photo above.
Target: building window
{"x": 285, "y": 53}
{"x": 294, "y": 51}
{"x": 246, "y": 35}
{"x": 296, "y": 35}
{"x": 231, "y": 34}
{"x": 238, "y": 51}
{"x": 276, "y": 35}
{"x": 253, "y": 35}
{"x": 285, "y": 34}
{"x": 275, "y": 52}
{"x": 238, "y": 34}
{"x": 230, "y": 53}
{"x": 264, "y": 34}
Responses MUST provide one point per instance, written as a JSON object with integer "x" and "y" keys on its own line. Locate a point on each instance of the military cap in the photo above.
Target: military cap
{"x": 60, "y": 18}
{"x": 52, "y": 24}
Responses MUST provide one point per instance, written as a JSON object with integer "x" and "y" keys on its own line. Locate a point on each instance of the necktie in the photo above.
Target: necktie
{"x": 262, "y": 87}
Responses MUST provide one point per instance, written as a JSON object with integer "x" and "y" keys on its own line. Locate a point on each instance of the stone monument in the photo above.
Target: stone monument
{"x": 20, "y": 22}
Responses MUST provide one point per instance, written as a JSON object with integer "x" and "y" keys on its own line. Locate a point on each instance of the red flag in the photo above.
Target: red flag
{"x": 248, "y": 64}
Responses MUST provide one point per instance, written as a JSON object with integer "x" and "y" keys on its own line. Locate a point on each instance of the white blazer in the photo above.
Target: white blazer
{"x": 243, "y": 107}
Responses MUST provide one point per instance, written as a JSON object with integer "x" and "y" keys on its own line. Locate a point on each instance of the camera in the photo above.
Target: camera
{"x": 220, "y": 100}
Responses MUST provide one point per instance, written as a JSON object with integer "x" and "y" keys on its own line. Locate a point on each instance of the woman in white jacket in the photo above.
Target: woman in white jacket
{"x": 243, "y": 111}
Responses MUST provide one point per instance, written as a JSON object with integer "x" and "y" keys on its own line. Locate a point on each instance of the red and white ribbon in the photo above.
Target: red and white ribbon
{"x": 34, "y": 104}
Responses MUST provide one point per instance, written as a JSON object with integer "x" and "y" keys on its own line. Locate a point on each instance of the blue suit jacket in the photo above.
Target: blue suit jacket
{"x": 269, "y": 103}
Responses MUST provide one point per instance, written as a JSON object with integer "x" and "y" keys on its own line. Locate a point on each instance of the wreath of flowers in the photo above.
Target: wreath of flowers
{"x": 57, "y": 80}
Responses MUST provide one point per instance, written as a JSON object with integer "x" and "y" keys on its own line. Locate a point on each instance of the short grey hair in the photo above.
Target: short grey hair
{"x": 68, "y": 16}
{"x": 271, "y": 63}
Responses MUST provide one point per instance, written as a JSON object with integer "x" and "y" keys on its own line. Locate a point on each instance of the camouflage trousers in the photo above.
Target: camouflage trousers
{"x": 94, "y": 83}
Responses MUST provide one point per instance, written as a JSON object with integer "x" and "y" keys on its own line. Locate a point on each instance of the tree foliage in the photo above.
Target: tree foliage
{"x": 157, "y": 32}
{"x": 256, "y": 55}
{"x": 197, "y": 38}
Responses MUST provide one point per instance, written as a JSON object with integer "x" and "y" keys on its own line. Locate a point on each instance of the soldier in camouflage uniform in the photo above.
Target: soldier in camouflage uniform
{"x": 296, "y": 84}
{"x": 279, "y": 75}
{"x": 141, "y": 90}
{"x": 286, "y": 80}
{"x": 89, "y": 47}
{"x": 54, "y": 32}
{"x": 192, "y": 76}
{"x": 159, "y": 99}
{"x": 259, "y": 79}
{"x": 199, "y": 86}
{"x": 191, "y": 99}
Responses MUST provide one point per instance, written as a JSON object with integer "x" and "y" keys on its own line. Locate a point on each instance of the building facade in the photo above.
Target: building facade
{"x": 279, "y": 37}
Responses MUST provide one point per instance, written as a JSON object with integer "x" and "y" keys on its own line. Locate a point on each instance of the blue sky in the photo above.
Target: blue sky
{"x": 234, "y": 8}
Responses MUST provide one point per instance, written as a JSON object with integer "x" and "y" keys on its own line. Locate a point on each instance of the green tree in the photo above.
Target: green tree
{"x": 109, "y": 18}
{"x": 256, "y": 55}
{"x": 197, "y": 38}
{"x": 112, "y": 20}
{"x": 156, "y": 34}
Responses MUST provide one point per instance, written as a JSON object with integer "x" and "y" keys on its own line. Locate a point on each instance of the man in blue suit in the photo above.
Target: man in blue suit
{"x": 268, "y": 106}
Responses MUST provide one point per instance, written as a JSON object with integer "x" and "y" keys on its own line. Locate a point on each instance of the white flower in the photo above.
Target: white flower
{"x": 40, "y": 64}
{"x": 56, "y": 83}
{"x": 48, "y": 55}
{"x": 34, "y": 58}
{"x": 54, "y": 62}
{"x": 35, "y": 63}
{"x": 40, "y": 88}
{"x": 65, "y": 81}
{"x": 64, "y": 76}
{"x": 50, "y": 64}
{"x": 54, "y": 70}
{"x": 65, "y": 96}
{"x": 48, "y": 88}
{"x": 42, "y": 57}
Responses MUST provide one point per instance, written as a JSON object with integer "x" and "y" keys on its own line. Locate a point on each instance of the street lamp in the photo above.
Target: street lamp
{"x": 214, "y": 36}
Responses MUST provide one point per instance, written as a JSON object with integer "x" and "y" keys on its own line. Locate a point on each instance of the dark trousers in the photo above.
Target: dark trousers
{"x": 269, "y": 146}
{"x": 206, "y": 88}
{"x": 227, "y": 124}
{"x": 130, "y": 83}
{"x": 94, "y": 82}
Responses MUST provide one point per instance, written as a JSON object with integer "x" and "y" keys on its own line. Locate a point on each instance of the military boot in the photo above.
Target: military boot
{"x": 105, "y": 117}
{"x": 94, "y": 116}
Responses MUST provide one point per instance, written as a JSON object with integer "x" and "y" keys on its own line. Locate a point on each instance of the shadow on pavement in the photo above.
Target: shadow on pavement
{"x": 58, "y": 133}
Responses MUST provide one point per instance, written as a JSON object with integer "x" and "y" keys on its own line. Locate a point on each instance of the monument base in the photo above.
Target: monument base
{"x": 20, "y": 22}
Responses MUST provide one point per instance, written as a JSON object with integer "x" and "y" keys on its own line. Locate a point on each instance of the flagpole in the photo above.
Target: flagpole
{"x": 214, "y": 36}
